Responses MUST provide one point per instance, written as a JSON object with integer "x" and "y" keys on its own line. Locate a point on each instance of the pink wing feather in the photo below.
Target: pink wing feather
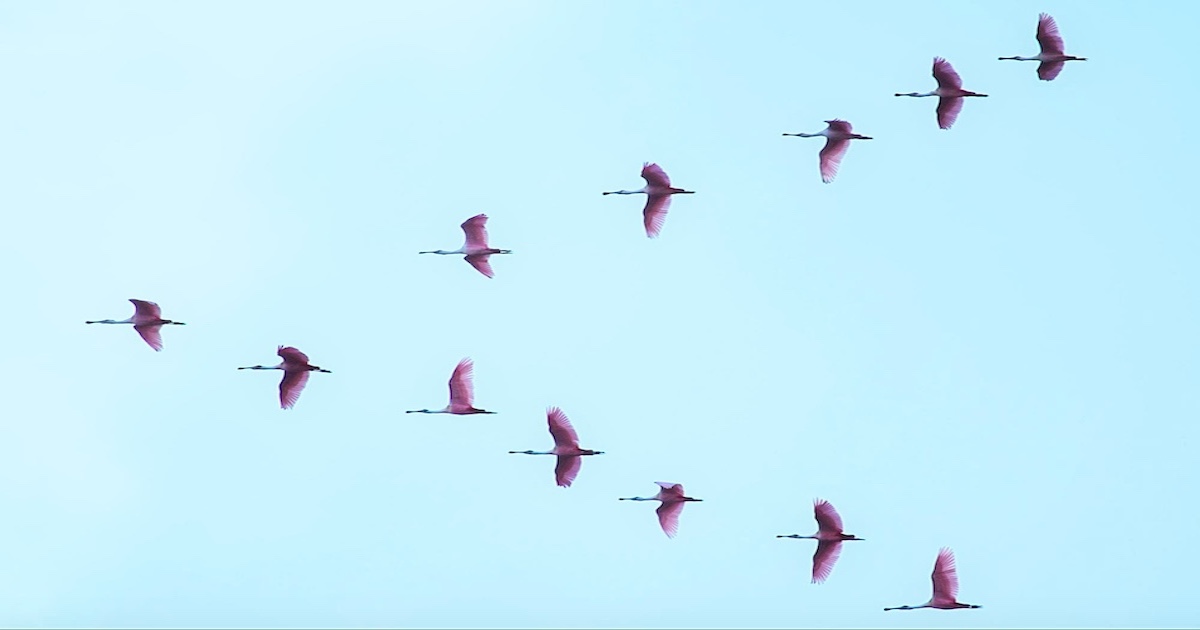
{"x": 481, "y": 264}
{"x": 945, "y": 576}
{"x": 669, "y": 489}
{"x": 839, "y": 125}
{"x": 152, "y": 335}
{"x": 831, "y": 158}
{"x": 476, "y": 231}
{"x": 145, "y": 309}
{"x": 668, "y": 517}
{"x": 462, "y": 390}
{"x": 292, "y": 355}
{"x": 1047, "y": 70}
{"x": 947, "y": 110}
{"x": 655, "y": 176}
{"x": 824, "y": 558}
{"x": 654, "y": 215}
{"x": 945, "y": 74}
{"x": 290, "y": 387}
{"x": 567, "y": 469}
{"x": 561, "y": 429}
{"x": 1048, "y": 37}
{"x": 828, "y": 520}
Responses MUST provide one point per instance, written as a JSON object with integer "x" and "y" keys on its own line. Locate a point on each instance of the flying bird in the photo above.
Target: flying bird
{"x": 672, "y": 499}
{"x": 295, "y": 368}
{"x": 476, "y": 246}
{"x": 837, "y": 139}
{"x": 945, "y": 585}
{"x": 462, "y": 392}
{"x": 147, "y": 321}
{"x": 830, "y": 537}
{"x": 658, "y": 191}
{"x": 566, "y": 447}
{"x": 1053, "y": 55}
{"x": 949, "y": 92}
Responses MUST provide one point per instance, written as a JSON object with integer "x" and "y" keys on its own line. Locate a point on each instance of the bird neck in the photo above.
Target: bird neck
{"x": 111, "y": 321}
{"x": 919, "y": 94}
{"x": 1018, "y": 58}
{"x": 640, "y": 499}
{"x": 627, "y": 192}
{"x": 803, "y": 135}
{"x": 443, "y": 252}
{"x": 907, "y": 607}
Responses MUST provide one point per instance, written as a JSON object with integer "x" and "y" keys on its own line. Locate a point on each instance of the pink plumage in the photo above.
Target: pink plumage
{"x": 566, "y": 447}
{"x": 1052, "y": 56}
{"x": 829, "y": 539}
{"x": 561, "y": 429}
{"x": 475, "y": 248}
{"x": 476, "y": 230}
{"x": 949, "y": 92}
{"x": 837, "y": 135}
{"x": 1048, "y": 37}
{"x": 296, "y": 369}
{"x": 672, "y": 498}
{"x": 147, "y": 322}
{"x": 658, "y": 191}
{"x": 946, "y": 75}
{"x": 945, "y": 585}
{"x": 462, "y": 392}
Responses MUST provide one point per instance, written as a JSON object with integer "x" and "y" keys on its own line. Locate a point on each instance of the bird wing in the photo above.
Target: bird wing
{"x": 839, "y": 125}
{"x": 481, "y": 264}
{"x": 654, "y": 215}
{"x": 566, "y": 469}
{"x": 655, "y": 176}
{"x": 831, "y": 158}
{"x": 945, "y": 576}
{"x": 948, "y": 109}
{"x": 290, "y": 387}
{"x": 152, "y": 335}
{"x": 292, "y": 355}
{"x": 824, "y": 558}
{"x": 560, "y": 428}
{"x": 670, "y": 488}
{"x": 945, "y": 74}
{"x": 462, "y": 390}
{"x": 1048, "y": 36}
{"x": 476, "y": 230}
{"x": 1047, "y": 70}
{"x": 828, "y": 519}
{"x": 142, "y": 308}
{"x": 668, "y": 517}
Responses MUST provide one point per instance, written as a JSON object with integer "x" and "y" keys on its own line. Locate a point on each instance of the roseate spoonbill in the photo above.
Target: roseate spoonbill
{"x": 658, "y": 191}
{"x": 476, "y": 247}
{"x": 829, "y": 533}
{"x": 462, "y": 392}
{"x": 949, "y": 92}
{"x": 838, "y": 136}
{"x": 1053, "y": 55}
{"x": 945, "y": 585}
{"x": 295, "y": 374}
{"x": 566, "y": 447}
{"x": 147, "y": 321}
{"x": 672, "y": 499}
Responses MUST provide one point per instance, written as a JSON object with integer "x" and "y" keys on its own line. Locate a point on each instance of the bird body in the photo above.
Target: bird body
{"x": 462, "y": 392}
{"x": 830, "y": 537}
{"x": 838, "y": 135}
{"x": 1053, "y": 55}
{"x": 295, "y": 368}
{"x": 147, "y": 321}
{"x": 672, "y": 498}
{"x": 476, "y": 250}
{"x": 949, "y": 92}
{"x": 658, "y": 191}
{"x": 566, "y": 447}
{"x": 945, "y": 585}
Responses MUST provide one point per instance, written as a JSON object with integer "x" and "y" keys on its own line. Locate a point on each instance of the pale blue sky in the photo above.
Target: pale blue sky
{"x": 983, "y": 338}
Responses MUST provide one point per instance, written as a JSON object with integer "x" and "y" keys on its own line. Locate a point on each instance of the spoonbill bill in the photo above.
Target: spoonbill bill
{"x": 147, "y": 321}
{"x": 658, "y": 191}
{"x": 295, "y": 368}
{"x": 566, "y": 447}
{"x": 829, "y": 536}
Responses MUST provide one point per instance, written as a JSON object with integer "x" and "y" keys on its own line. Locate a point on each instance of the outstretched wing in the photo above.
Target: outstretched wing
{"x": 481, "y": 264}
{"x": 152, "y": 335}
{"x": 947, "y": 110}
{"x": 945, "y": 576}
{"x": 839, "y": 125}
{"x": 142, "y": 308}
{"x": 669, "y": 489}
{"x": 462, "y": 387}
{"x": 567, "y": 469}
{"x": 561, "y": 429}
{"x": 831, "y": 158}
{"x": 828, "y": 519}
{"x": 654, "y": 215}
{"x": 292, "y": 355}
{"x": 668, "y": 517}
{"x": 1047, "y": 70}
{"x": 945, "y": 74}
{"x": 655, "y": 176}
{"x": 824, "y": 558}
{"x": 290, "y": 387}
{"x": 1048, "y": 37}
{"x": 476, "y": 230}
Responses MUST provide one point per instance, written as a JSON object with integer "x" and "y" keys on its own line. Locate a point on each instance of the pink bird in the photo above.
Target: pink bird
{"x": 945, "y": 585}
{"x": 672, "y": 499}
{"x": 476, "y": 247}
{"x": 566, "y": 447}
{"x": 949, "y": 92}
{"x": 1053, "y": 55}
{"x": 838, "y": 136}
{"x": 147, "y": 321}
{"x": 462, "y": 392}
{"x": 658, "y": 191}
{"x": 830, "y": 535}
{"x": 295, "y": 374}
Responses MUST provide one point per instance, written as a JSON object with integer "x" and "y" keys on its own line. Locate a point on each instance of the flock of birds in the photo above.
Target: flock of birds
{"x": 148, "y": 322}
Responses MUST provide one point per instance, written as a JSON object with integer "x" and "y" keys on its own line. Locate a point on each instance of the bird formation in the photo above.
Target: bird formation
{"x": 147, "y": 321}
